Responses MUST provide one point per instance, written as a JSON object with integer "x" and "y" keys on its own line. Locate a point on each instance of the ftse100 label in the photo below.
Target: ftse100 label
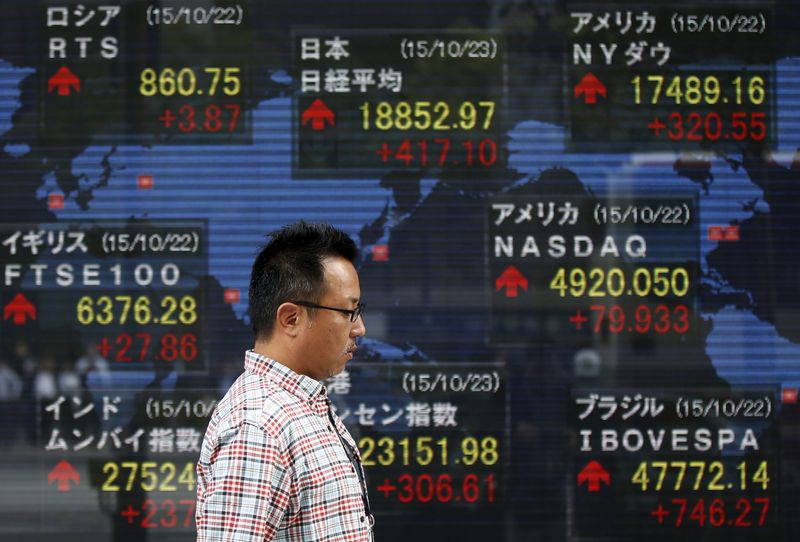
{"x": 132, "y": 289}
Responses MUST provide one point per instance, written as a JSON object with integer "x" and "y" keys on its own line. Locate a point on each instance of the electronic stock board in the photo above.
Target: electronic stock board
{"x": 578, "y": 226}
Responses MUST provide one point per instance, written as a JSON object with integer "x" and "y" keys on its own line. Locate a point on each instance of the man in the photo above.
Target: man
{"x": 276, "y": 462}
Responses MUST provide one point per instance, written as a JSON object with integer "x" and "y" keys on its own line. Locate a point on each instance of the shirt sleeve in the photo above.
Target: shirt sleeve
{"x": 243, "y": 487}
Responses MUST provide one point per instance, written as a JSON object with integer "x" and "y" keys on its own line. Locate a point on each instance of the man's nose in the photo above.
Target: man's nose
{"x": 359, "y": 329}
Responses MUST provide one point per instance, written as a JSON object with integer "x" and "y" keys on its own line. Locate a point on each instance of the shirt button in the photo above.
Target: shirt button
{"x": 352, "y": 468}
{"x": 362, "y": 519}
{"x": 329, "y": 429}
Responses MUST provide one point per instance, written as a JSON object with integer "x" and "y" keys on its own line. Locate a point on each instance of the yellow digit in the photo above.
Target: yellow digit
{"x": 171, "y": 305}
{"x": 141, "y": 310}
{"x": 112, "y": 470}
{"x": 367, "y": 446}
{"x": 615, "y": 276}
{"x": 231, "y": 76}
{"x": 365, "y": 108}
{"x": 148, "y": 85}
{"x": 443, "y": 111}
{"x": 637, "y": 91}
{"x": 402, "y": 112}
{"x": 169, "y": 470}
{"x": 684, "y": 280}
{"x": 642, "y": 290}
{"x": 422, "y": 115}
{"x": 187, "y": 82}
{"x": 681, "y": 466}
{"x": 640, "y": 476}
{"x": 126, "y": 307}
{"x": 487, "y": 122}
{"x": 737, "y": 85}
{"x": 133, "y": 466}
{"x": 598, "y": 275}
{"x": 85, "y": 310}
{"x": 386, "y": 456}
{"x": 661, "y": 282}
{"x": 559, "y": 282}
{"x": 469, "y": 450}
{"x": 674, "y": 90}
{"x": 442, "y": 442}
{"x": 215, "y": 75}
{"x": 701, "y": 468}
{"x": 188, "y": 477}
{"x": 756, "y": 90}
{"x": 403, "y": 442}
{"x": 659, "y": 81}
{"x": 107, "y": 315}
{"x": 742, "y": 467}
{"x": 188, "y": 314}
{"x": 760, "y": 476}
{"x": 714, "y": 484}
{"x": 469, "y": 115}
{"x": 489, "y": 453}
{"x": 693, "y": 95}
{"x": 577, "y": 282}
{"x": 663, "y": 466}
{"x": 712, "y": 90}
{"x": 149, "y": 479}
{"x": 424, "y": 450}
{"x": 166, "y": 82}
{"x": 383, "y": 116}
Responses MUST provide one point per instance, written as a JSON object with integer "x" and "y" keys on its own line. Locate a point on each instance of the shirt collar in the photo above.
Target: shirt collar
{"x": 304, "y": 387}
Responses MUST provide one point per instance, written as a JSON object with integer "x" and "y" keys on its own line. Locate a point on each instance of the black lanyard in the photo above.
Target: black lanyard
{"x": 356, "y": 462}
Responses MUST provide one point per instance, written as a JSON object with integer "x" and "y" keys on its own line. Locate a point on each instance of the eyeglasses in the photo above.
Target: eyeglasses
{"x": 354, "y": 313}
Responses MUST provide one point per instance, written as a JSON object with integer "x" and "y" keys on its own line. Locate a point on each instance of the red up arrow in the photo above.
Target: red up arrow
{"x": 63, "y": 473}
{"x": 64, "y": 80}
{"x": 594, "y": 473}
{"x": 20, "y": 308}
{"x": 511, "y": 279}
{"x": 590, "y": 86}
{"x": 318, "y": 113}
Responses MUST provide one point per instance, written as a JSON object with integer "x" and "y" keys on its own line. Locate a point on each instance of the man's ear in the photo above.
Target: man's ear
{"x": 289, "y": 318}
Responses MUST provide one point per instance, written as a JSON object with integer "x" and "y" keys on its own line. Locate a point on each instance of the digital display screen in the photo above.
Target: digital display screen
{"x": 578, "y": 224}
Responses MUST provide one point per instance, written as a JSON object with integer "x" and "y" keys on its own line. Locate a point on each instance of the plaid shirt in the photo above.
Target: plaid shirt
{"x": 273, "y": 468}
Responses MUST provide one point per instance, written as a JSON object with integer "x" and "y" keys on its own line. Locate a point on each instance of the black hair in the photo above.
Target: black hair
{"x": 289, "y": 268}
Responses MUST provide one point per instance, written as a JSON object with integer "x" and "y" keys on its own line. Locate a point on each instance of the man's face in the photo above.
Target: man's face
{"x": 331, "y": 336}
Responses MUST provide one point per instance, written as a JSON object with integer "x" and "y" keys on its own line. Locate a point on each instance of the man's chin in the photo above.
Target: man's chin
{"x": 337, "y": 370}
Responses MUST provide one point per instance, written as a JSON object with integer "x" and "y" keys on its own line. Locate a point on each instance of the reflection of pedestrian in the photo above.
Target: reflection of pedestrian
{"x": 45, "y": 381}
{"x": 10, "y": 392}
{"x": 89, "y": 380}
{"x": 45, "y": 391}
{"x": 93, "y": 370}
{"x": 276, "y": 462}
{"x": 25, "y": 364}
{"x": 69, "y": 383}
{"x": 23, "y": 361}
